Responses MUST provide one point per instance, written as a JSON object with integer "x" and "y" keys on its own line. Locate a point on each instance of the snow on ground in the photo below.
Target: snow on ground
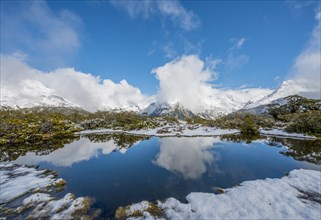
{"x": 186, "y": 131}
{"x": 69, "y": 205}
{"x": 35, "y": 187}
{"x": 278, "y": 132}
{"x": 36, "y": 199}
{"x": 296, "y": 196}
{"x": 166, "y": 131}
{"x": 17, "y": 181}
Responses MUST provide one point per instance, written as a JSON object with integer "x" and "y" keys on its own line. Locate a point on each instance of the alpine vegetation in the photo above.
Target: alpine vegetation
{"x": 160, "y": 110}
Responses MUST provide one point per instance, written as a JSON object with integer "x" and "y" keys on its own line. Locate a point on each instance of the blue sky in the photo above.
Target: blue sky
{"x": 254, "y": 42}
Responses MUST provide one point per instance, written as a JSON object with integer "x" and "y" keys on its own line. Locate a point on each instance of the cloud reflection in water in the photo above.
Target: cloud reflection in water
{"x": 188, "y": 157}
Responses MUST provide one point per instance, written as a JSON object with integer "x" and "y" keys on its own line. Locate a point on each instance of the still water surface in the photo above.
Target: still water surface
{"x": 118, "y": 170}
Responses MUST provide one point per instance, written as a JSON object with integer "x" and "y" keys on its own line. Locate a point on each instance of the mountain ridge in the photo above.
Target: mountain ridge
{"x": 222, "y": 104}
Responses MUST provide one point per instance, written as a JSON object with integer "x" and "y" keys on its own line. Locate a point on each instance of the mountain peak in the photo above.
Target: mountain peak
{"x": 288, "y": 88}
{"x": 174, "y": 109}
{"x": 41, "y": 101}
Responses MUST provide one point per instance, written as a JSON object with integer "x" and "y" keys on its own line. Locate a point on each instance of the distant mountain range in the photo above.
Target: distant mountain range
{"x": 223, "y": 104}
{"x": 43, "y": 100}
{"x": 288, "y": 87}
{"x": 228, "y": 103}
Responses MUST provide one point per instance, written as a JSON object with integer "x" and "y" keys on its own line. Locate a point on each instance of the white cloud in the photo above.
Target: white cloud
{"x": 184, "y": 80}
{"x": 318, "y": 16}
{"x": 178, "y": 14}
{"x": 187, "y": 80}
{"x": 298, "y": 5}
{"x": 136, "y": 8}
{"x": 47, "y": 37}
{"x": 169, "y": 51}
{"x": 173, "y": 47}
{"x": 189, "y": 47}
{"x": 277, "y": 78}
{"x": 234, "y": 59}
{"x": 237, "y": 43}
{"x": 171, "y": 10}
{"x": 307, "y": 65}
{"x": 211, "y": 63}
{"x": 21, "y": 85}
{"x": 243, "y": 86}
{"x": 240, "y": 43}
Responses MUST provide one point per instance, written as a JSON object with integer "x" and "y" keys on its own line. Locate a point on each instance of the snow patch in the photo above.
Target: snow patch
{"x": 21, "y": 180}
{"x": 278, "y": 132}
{"x": 184, "y": 130}
{"x": 296, "y": 196}
{"x": 36, "y": 199}
{"x": 288, "y": 87}
{"x": 166, "y": 131}
{"x": 18, "y": 181}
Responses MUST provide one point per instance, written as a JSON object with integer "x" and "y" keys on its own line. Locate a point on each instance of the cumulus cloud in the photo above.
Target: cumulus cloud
{"x": 307, "y": 65}
{"x": 172, "y": 10}
{"x": 188, "y": 79}
{"x": 22, "y": 85}
{"x": 184, "y": 80}
{"x": 31, "y": 27}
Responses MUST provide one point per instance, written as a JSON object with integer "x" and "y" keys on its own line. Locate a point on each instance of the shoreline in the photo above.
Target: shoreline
{"x": 182, "y": 131}
{"x": 292, "y": 196}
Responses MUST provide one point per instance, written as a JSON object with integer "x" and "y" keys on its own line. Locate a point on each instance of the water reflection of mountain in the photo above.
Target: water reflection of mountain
{"x": 83, "y": 149}
{"x": 187, "y": 156}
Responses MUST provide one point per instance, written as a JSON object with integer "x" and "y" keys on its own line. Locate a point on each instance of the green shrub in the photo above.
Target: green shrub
{"x": 308, "y": 123}
{"x": 249, "y": 127}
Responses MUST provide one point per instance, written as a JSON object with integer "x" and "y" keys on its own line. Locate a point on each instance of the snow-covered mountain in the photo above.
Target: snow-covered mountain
{"x": 220, "y": 103}
{"x": 288, "y": 88}
{"x": 58, "y": 101}
{"x": 228, "y": 101}
{"x": 41, "y": 101}
{"x": 177, "y": 110}
{"x": 223, "y": 103}
{"x": 173, "y": 109}
{"x": 286, "y": 105}
{"x": 138, "y": 108}
{"x": 33, "y": 93}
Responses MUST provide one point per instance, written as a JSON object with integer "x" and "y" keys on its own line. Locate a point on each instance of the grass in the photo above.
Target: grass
{"x": 37, "y": 125}
{"x": 121, "y": 213}
{"x": 154, "y": 210}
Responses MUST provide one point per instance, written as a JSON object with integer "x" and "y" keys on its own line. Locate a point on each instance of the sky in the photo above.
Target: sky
{"x": 122, "y": 46}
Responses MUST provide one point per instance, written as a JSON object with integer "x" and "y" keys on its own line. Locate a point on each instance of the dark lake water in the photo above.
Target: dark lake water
{"x": 118, "y": 170}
